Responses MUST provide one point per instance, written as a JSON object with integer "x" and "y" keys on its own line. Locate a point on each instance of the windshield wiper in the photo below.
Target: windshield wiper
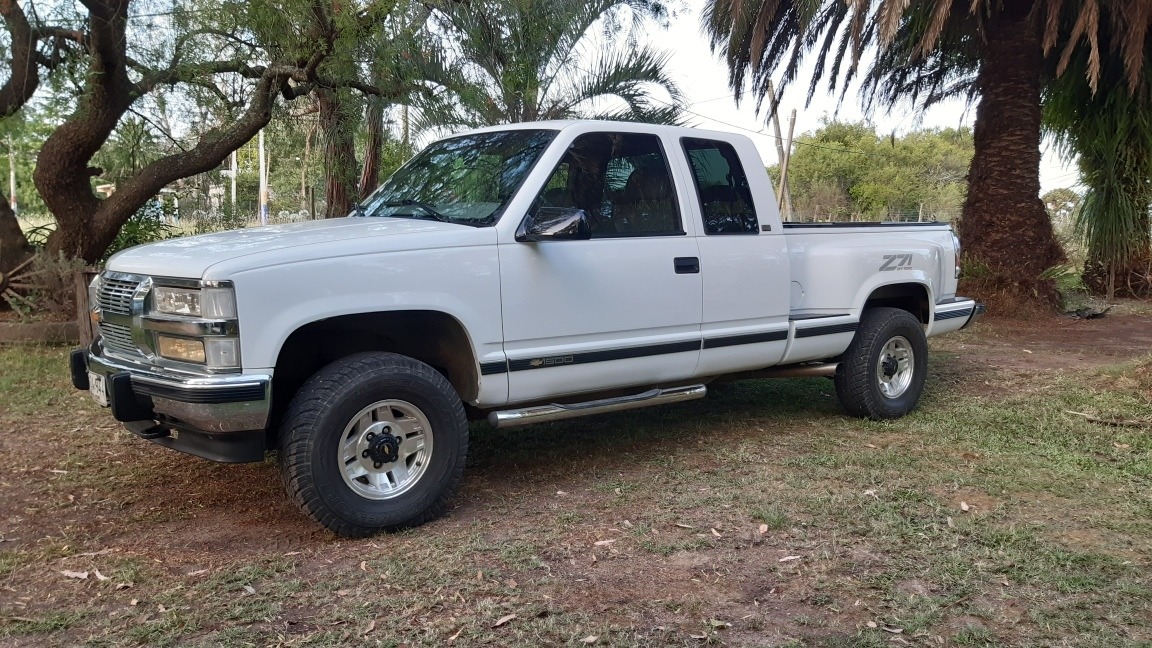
{"x": 408, "y": 202}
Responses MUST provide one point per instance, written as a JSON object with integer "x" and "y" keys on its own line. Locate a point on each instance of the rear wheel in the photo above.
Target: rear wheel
{"x": 374, "y": 442}
{"x": 881, "y": 375}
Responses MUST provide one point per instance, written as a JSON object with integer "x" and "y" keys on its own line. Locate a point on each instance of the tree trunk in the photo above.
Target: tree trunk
{"x": 14, "y": 248}
{"x": 86, "y": 224}
{"x": 23, "y": 79}
{"x": 304, "y": 170}
{"x": 1007, "y": 236}
{"x": 62, "y": 174}
{"x": 373, "y": 148}
{"x": 337, "y": 123}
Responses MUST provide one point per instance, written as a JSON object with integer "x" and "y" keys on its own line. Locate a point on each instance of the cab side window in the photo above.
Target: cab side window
{"x": 621, "y": 180}
{"x": 721, "y": 186}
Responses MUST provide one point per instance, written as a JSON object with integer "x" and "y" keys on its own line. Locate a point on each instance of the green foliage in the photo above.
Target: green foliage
{"x": 131, "y": 146}
{"x": 505, "y": 61}
{"x": 1063, "y": 206}
{"x": 20, "y": 138}
{"x": 147, "y": 225}
{"x": 1109, "y": 129}
{"x": 846, "y": 171}
{"x": 225, "y": 219}
{"x": 38, "y": 235}
{"x": 1069, "y": 281}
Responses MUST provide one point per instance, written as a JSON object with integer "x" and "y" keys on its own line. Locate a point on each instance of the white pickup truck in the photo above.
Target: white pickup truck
{"x": 520, "y": 274}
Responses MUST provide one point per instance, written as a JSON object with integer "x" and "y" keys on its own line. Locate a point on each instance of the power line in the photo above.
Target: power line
{"x": 761, "y": 131}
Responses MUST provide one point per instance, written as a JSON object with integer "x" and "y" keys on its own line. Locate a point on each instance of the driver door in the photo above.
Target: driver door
{"x": 622, "y": 309}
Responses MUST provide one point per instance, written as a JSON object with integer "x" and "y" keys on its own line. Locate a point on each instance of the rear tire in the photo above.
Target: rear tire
{"x": 374, "y": 442}
{"x": 881, "y": 375}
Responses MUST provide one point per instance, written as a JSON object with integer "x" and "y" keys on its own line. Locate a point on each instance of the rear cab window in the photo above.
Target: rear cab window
{"x": 721, "y": 187}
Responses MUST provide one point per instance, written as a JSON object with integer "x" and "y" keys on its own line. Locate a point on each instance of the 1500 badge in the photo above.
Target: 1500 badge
{"x": 550, "y": 362}
{"x": 896, "y": 262}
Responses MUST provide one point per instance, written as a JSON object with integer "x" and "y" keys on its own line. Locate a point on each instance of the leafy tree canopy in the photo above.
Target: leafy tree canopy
{"x": 503, "y": 61}
{"x": 847, "y": 171}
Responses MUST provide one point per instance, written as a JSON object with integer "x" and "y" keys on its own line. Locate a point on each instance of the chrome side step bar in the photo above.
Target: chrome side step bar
{"x": 557, "y": 412}
{"x": 807, "y": 370}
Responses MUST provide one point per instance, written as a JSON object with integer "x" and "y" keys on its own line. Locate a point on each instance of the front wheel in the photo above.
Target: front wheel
{"x": 881, "y": 375}
{"x": 374, "y": 442}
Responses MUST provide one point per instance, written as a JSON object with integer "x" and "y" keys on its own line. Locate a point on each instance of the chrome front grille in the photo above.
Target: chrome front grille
{"x": 116, "y": 296}
{"x": 118, "y": 339}
{"x": 115, "y": 299}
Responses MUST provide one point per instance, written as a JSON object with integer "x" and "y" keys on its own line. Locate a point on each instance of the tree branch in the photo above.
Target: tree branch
{"x": 209, "y": 152}
{"x": 25, "y": 77}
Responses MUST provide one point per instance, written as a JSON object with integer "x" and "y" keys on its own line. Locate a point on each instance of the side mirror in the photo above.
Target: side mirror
{"x": 554, "y": 224}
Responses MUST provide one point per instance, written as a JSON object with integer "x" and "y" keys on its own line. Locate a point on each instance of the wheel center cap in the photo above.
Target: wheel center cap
{"x": 890, "y": 366}
{"x": 383, "y": 448}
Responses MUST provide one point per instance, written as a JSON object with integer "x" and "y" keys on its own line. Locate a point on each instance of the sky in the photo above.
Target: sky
{"x": 704, "y": 80}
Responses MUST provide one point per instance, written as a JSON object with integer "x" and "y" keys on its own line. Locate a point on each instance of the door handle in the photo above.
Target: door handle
{"x": 686, "y": 265}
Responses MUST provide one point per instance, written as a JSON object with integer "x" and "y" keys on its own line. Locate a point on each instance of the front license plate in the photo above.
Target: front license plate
{"x": 98, "y": 387}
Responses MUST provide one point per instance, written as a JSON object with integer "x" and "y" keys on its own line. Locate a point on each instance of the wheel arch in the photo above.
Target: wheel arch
{"x": 432, "y": 337}
{"x": 910, "y": 296}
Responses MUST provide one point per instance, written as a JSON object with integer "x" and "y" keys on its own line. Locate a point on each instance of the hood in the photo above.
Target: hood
{"x": 191, "y": 256}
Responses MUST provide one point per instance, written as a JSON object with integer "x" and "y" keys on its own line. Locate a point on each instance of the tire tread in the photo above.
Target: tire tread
{"x": 856, "y": 388}
{"x": 298, "y": 438}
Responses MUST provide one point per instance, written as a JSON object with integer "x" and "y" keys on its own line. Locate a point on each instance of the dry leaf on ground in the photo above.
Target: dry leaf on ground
{"x": 503, "y": 620}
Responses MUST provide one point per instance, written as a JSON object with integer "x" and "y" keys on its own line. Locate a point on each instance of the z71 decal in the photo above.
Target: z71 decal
{"x": 896, "y": 262}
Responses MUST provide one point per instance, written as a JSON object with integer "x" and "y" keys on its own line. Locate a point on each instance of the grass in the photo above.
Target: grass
{"x": 638, "y": 529}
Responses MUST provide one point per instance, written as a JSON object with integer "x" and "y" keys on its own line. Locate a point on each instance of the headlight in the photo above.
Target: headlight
{"x": 211, "y": 303}
{"x": 204, "y": 331}
{"x": 176, "y": 301}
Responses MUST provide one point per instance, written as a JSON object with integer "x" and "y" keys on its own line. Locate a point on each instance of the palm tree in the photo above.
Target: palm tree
{"x": 929, "y": 50}
{"x": 506, "y": 61}
{"x": 1110, "y": 133}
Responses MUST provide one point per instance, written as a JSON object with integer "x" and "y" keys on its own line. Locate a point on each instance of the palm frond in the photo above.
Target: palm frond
{"x": 520, "y": 60}
{"x": 1110, "y": 132}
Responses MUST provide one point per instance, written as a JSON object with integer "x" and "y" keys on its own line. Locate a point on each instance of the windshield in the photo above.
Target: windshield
{"x": 467, "y": 179}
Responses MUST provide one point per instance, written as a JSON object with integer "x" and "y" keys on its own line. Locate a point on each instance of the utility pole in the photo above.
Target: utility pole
{"x": 784, "y": 197}
{"x": 263, "y": 181}
{"x": 11, "y": 175}
{"x": 235, "y": 170}
{"x": 784, "y": 166}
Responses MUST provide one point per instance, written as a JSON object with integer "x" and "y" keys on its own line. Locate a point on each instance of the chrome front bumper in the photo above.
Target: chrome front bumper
{"x": 192, "y": 413}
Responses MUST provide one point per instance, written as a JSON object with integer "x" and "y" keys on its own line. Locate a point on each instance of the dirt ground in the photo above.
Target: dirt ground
{"x": 550, "y": 534}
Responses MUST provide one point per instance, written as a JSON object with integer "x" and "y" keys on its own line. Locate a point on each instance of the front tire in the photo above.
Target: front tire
{"x": 374, "y": 442}
{"x": 881, "y": 375}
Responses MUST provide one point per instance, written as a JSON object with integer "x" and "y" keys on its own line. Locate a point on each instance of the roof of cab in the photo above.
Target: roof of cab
{"x": 594, "y": 124}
